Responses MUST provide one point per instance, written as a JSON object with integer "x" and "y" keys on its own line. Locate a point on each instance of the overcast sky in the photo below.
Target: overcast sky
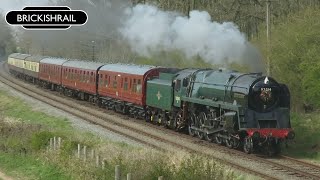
{"x": 7, "y": 5}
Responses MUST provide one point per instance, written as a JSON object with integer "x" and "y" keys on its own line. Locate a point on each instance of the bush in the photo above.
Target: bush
{"x": 40, "y": 140}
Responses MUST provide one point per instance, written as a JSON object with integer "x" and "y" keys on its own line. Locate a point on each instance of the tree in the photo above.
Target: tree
{"x": 7, "y": 42}
{"x": 295, "y": 56}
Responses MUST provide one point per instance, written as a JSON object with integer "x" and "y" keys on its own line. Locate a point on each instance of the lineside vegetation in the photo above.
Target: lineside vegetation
{"x": 25, "y": 134}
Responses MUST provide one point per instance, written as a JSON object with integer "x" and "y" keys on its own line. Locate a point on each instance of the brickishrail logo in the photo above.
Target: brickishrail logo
{"x": 46, "y": 17}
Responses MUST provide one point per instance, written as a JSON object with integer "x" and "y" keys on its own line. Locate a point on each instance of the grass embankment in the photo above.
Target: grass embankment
{"x": 307, "y": 140}
{"x": 24, "y": 136}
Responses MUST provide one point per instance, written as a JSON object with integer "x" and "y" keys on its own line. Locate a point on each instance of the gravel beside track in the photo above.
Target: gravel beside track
{"x": 161, "y": 138}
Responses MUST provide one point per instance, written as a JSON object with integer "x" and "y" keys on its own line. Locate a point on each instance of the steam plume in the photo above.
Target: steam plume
{"x": 149, "y": 30}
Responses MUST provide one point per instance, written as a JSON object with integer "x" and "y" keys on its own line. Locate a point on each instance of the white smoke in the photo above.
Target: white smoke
{"x": 8, "y": 5}
{"x": 149, "y": 29}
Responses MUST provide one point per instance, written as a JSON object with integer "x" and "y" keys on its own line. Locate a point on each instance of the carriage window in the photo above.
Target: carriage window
{"x": 106, "y": 83}
{"x": 87, "y": 77}
{"x": 134, "y": 86}
{"x": 90, "y": 78}
{"x": 139, "y": 86}
{"x": 125, "y": 85}
{"x": 101, "y": 80}
{"x": 115, "y": 84}
{"x": 106, "y": 80}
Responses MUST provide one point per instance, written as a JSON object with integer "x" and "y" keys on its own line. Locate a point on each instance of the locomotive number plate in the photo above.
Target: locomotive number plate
{"x": 266, "y": 89}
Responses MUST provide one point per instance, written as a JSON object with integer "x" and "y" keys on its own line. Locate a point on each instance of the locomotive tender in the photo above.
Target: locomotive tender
{"x": 239, "y": 110}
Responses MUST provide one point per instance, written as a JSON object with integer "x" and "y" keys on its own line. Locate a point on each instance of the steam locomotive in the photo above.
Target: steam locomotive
{"x": 248, "y": 111}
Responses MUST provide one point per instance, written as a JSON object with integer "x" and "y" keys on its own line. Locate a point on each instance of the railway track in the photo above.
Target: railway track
{"x": 293, "y": 168}
{"x": 155, "y": 138}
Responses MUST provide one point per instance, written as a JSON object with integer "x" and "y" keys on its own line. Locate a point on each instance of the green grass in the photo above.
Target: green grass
{"x": 307, "y": 141}
{"x": 30, "y": 167}
{"x": 18, "y": 109}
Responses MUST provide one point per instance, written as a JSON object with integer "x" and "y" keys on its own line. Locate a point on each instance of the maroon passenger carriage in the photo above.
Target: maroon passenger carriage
{"x": 79, "y": 79}
{"x": 50, "y": 72}
{"x": 122, "y": 87}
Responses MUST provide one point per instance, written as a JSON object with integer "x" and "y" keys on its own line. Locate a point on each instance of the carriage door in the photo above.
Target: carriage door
{"x": 120, "y": 85}
{"x": 117, "y": 84}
